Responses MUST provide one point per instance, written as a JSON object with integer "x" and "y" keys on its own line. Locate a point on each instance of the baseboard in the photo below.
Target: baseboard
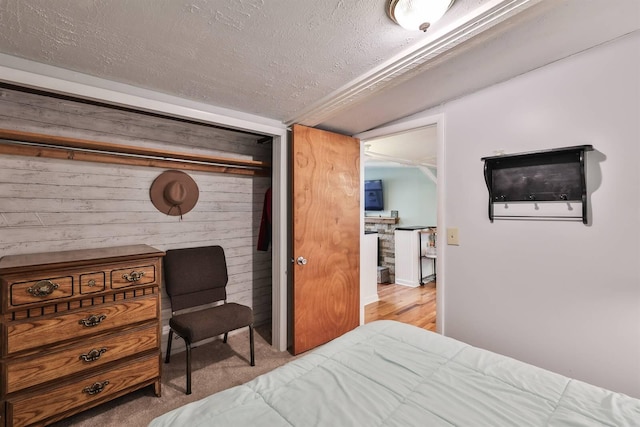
{"x": 407, "y": 283}
{"x": 370, "y": 299}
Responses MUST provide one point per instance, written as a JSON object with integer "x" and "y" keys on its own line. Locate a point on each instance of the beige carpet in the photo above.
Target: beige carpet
{"x": 216, "y": 366}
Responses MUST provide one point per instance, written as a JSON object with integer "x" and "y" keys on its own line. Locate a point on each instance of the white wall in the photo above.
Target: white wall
{"x": 407, "y": 190}
{"x": 560, "y": 295}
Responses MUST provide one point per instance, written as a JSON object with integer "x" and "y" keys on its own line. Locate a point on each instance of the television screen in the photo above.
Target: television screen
{"x": 373, "y": 200}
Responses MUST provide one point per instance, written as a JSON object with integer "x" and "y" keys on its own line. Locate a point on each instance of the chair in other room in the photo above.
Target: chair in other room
{"x": 197, "y": 277}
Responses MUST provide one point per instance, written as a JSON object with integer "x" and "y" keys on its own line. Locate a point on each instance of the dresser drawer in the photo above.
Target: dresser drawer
{"x": 33, "y": 370}
{"x": 92, "y": 282}
{"x": 49, "y": 329}
{"x": 86, "y": 392}
{"x": 130, "y": 276}
{"x": 23, "y": 292}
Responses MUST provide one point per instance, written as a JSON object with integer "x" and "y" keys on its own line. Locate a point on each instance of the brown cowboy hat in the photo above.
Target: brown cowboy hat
{"x": 174, "y": 193}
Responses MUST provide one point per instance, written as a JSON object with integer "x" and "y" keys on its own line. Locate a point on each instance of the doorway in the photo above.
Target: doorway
{"x": 404, "y": 164}
{"x": 408, "y": 126}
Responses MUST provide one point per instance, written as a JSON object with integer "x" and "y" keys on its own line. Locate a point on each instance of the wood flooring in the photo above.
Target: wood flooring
{"x": 416, "y": 306}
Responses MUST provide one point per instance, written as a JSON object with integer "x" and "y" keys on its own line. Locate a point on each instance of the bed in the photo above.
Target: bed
{"x": 388, "y": 373}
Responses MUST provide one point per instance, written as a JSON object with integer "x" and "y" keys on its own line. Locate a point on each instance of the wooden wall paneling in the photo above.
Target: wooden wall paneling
{"x": 21, "y": 143}
{"x": 54, "y": 204}
{"x": 64, "y": 141}
{"x": 35, "y": 113}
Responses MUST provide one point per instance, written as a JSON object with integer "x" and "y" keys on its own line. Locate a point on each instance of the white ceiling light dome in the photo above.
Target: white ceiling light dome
{"x": 417, "y": 14}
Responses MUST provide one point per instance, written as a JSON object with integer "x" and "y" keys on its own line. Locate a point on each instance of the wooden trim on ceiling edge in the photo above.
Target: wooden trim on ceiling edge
{"x": 58, "y": 147}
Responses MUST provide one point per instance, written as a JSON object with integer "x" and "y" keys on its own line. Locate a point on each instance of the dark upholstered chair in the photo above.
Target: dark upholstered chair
{"x": 195, "y": 277}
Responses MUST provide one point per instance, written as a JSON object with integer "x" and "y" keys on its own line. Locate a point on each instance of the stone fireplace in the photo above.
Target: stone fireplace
{"x": 385, "y": 227}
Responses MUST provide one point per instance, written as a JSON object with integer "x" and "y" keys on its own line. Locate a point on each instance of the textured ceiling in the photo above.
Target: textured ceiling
{"x": 269, "y": 58}
{"x": 273, "y": 59}
{"x": 546, "y": 32}
{"x": 341, "y": 65}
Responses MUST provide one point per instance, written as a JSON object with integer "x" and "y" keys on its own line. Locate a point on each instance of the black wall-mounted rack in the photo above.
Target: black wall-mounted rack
{"x": 556, "y": 175}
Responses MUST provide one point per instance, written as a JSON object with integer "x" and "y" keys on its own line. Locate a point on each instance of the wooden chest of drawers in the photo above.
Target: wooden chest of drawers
{"x": 77, "y": 328}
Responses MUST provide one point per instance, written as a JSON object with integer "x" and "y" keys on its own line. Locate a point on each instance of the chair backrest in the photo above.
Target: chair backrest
{"x": 195, "y": 276}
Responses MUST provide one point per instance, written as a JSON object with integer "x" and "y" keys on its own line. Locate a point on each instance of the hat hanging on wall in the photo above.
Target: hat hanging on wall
{"x": 174, "y": 193}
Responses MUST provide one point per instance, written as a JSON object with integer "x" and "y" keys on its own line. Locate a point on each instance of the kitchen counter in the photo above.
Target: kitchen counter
{"x": 410, "y": 264}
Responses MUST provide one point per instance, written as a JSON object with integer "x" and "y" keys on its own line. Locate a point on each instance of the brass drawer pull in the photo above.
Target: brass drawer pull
{"x": 93, "y": 355}
{"x": 42, "y": 288}
{"x": 91, "y": 283}
{"x": 134, "y": 276}
{"x": 95, "y": 388}
{"x": 93, "y": 320}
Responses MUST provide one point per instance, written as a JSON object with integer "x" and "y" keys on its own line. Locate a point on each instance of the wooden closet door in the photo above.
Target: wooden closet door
{"x": 326, "y": 236}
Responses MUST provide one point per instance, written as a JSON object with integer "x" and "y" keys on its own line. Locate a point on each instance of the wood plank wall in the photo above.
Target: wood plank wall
{"x": 53, "y": 205}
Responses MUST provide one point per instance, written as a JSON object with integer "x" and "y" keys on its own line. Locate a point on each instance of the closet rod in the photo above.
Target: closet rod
{"x": 58, "y": 147}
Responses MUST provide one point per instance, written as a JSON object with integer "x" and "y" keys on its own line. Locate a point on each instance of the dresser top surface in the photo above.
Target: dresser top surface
{"x": 11, "y": 263}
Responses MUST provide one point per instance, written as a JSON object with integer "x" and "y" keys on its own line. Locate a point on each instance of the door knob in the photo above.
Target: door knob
{"x": 301, "y": 260}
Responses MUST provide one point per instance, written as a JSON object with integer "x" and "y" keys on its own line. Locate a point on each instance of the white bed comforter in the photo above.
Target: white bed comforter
{"x": 392, "y": 374}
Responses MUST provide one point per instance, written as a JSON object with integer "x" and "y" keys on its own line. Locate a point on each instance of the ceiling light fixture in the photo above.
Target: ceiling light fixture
{"x": 417, "y": 14}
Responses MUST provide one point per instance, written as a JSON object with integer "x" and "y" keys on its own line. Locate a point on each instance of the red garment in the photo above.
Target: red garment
{"x": 264, "y": 236}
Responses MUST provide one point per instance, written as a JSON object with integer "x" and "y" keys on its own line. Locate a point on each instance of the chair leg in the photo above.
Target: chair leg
{"x": 188, "y": 366}
{"x": 167, "y": 356}
{"x": 224, "y": 340}
{"x": 253, "y": 359}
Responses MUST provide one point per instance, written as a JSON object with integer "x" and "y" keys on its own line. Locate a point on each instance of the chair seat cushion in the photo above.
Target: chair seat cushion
{"x": 210, "y": 322}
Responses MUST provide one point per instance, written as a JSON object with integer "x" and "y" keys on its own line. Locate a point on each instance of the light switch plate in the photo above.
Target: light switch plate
{"x": 452, "y": 236}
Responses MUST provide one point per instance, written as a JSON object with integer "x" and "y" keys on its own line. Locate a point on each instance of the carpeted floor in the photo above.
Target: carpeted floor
{"x": 216, "y": 366}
